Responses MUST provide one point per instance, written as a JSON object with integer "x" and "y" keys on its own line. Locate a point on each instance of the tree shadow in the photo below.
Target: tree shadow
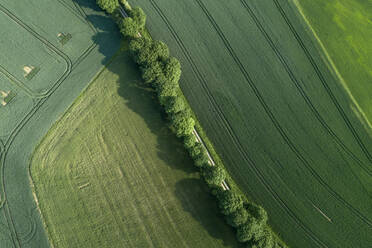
{"x": 191, "y": 193}
{"x": 88, "y": 4}
{"x": 130, "y": 87}
{"x": 106, "y": 37}
{"x": 142, "y": 100}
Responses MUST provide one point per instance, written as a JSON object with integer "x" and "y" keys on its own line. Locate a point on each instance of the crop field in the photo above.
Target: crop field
{"x": 347, "y": 40}
{"x": 111, "y": 174}
{"x": 50, "y": 51}
{"x": 282, "y": 121}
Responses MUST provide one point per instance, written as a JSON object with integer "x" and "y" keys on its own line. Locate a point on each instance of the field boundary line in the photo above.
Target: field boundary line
{"x": 6, "y": 146}
{"x": 330, "y": 60}
{"x": 277, "y": 124}
{"x": 323, "y": 81}
{"x": 33, "y": 186}
{"x": 236, "y": 141}
{"x": 42, "y": 40}
{"x": 302, "y": 91}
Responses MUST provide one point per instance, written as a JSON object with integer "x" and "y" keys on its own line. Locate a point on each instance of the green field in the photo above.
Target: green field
{"x": 347, "y": 40}
{"x": 40, "y": 76}
{"x": 111, "y": 174}
{"x": 277, "y": 114}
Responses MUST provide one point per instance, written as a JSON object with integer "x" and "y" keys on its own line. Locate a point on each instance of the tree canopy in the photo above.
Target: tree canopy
{"x": 238, "y": 218}
{"x": 189, "y": 141}
{"x": 138, "y": 16}
{"x": 172, "y": 69}
{"x": 213, "y": 175}
{"x": 174, "y": 104}
{"x": 108, "y": 5}
{"x": 229, "y": 202}
{"x": 182, "y": 123}
{"x": 163, "y": 73}
{"x": 128, "y": 27}
{"x": 151, "y": 73}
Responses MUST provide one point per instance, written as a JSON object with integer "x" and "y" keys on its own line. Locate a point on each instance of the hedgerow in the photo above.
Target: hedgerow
{"x": 162, "y": 72}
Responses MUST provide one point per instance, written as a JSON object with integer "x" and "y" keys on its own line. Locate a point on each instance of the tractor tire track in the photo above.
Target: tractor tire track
{"x": 15, "y": 239}
{"x": 42, "y": 40}
{"x": 277, "y": 125}
{"x": 6, "y": 146}
{"x": 236, "y": 141}
{"x": 72, "y": 10}
{"x": 323, "y": 81}
{"x": 303, "y": 92}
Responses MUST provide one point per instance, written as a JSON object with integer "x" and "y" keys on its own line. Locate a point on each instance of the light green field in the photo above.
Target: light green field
{"x": 282, "y": 122}
{"x": 29, "y": 37}
{"x": 347, "y": 39}
{"x": 111, "y": 174}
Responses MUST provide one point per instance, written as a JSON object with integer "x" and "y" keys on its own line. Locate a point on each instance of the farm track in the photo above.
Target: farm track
{"x": 19, "y": 84}
{"x": 277, "y": 124}
{"x": 44, "y": 41}
{"x": 303, "y": 92}
{"x": 76, "y": 13}
{"x": 5, "y": 147}
{"x": 323, "y": 81}
{"x": 236, "y": 141}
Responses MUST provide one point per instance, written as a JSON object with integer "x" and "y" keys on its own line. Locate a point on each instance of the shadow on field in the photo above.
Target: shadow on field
{"x": 141, "y": 99}
{"x": 192, "y": 193}
{"x": 130, "y": 87}
{"x": 106, "y": 28}
{"x": 207, "y": 214}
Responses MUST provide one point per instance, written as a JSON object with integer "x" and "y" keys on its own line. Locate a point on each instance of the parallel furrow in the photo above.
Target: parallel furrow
{"x": 228, "y": 128}
{"x": 277, "y": 125}
{"x": 4, "y": 204}
{"x": 323, "y": 81}
{"x": 302, "y": 91}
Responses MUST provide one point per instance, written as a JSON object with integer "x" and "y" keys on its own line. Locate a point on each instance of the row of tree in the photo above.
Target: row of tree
{"x": 162, "y": 72}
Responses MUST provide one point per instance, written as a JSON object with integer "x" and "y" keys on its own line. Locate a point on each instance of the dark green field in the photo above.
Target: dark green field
{"x": 111, "y": 174}
{"x": 281, "y": 120}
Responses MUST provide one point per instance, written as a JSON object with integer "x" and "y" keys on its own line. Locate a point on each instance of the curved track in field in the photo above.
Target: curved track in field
{"x": 356, "y": 212}
{"x": 323, "y": 81}
{"x": 277, "y": 125}
{"x": 44, "y": 41}
{"x": 40, "y": 100}
{"x": 300, "y": 89}
{"x": 234, "y": 137}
